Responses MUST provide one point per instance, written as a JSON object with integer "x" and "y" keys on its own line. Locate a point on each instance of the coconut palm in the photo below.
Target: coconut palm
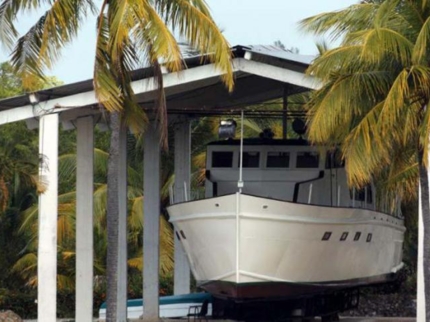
{"x": 374, "y": 96}
{"x": 129, "y": 34}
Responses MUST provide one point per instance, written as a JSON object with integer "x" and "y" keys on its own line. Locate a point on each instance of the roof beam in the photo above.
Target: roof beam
{"x": 174, "y": 83}
{"x": 277, "y": 73}
{"x": 16, "y": 114}
{"x": 148, "y": 85}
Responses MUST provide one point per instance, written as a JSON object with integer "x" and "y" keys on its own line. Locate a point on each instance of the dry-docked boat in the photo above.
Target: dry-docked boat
{"x": 293, "y": 228}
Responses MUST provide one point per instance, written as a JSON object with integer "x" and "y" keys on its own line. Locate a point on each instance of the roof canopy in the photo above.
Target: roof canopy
{"x": 261, "y": 73}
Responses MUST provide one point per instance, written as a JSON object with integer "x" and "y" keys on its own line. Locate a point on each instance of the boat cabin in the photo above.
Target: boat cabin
{"x": 290, "y": 170}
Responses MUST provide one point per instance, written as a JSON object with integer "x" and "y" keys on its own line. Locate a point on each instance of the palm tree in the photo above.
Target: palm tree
{"x": 374, "y": 96}
{"x": 129, "y": 33}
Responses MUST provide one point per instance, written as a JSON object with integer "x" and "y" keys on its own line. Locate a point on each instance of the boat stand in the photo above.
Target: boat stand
{"x": 326, "y": 305}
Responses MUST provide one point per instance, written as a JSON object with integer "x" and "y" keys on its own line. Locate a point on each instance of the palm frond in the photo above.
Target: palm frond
{"x": 105, "y": 86}
{"x": 25, "y": 58}
{"x": 100, "y": 199}
{"x": 67, "y": 167}
{"x": 8, "y": 32}
{"x": 192, "y": 20}
{"x": 421, "y": 46}
{"x": 154, "y": 32}
{"x": 65, "y": 282}
{"x": 380, "y": 42}
{"x": 26, "y": 266}
{"x": 337, "y": 23}
{"x": 135, "y": 220}
{"x": 40, "y": 47}
{"x": 364, "y": 149}
{"x": 386, "y": 13}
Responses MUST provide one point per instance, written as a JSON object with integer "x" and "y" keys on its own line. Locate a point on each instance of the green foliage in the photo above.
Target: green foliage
{"x": 373, "y": 100}
{"x": 18, "y": 180}
{"x": 375, "y": 104}
{"x": 66, "y": 301}
{"x": 11, "y": 85}
{"x": 26, "y": 265}
{"x": 20, "y": 300}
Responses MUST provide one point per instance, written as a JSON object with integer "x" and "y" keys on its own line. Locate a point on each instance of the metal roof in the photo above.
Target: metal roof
{"x": 288, "y": 55}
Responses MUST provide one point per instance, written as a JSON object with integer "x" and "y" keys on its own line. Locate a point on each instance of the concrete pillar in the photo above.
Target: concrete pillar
{"x": 84, "y": 219}
{"x": 421, "y": 299}
{"x": 122, "y": 228}
{"x": 48, "y": 213}
{"x": 182, "y": 179}
{"x": 151, "y": 231}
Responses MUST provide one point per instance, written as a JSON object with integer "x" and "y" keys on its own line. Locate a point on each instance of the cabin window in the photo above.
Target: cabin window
{"x": 369, "y": 238}
{"x": 334, "y": 160}
{"x": 251, "y": 159}
{"x": 278, "y": 159}
{"x": 360, "y": 195}
{"x": 307, "y": 160}
{"x": 326, "y": 235}
{"x": 357, "y": 236}
{"x": 344, "y": 236}
{"x": 222, "y": 159}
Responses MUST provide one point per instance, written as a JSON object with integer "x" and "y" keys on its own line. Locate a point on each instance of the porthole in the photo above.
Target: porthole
{"x": 344, "y": 236}
{"x": 265, "y": 206}
{"x": 369, "y": 238}
{"x": 217, "y": 205}
{"x": 357, "y": 236}
{"x": 326, "y": 235}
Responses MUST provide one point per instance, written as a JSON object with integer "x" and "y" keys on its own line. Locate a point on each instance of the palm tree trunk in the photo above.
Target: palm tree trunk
{"x": 425, "y": 208}
{"x": 112, "y": 219}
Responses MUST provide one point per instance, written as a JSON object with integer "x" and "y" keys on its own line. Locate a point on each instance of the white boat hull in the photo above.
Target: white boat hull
{"x": 245, "y": 246}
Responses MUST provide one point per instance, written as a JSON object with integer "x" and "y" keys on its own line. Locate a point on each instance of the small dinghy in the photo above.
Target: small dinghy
{"x": 174, "y": 306}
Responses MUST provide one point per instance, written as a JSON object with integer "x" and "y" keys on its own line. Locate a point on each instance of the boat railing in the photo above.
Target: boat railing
{"x": 184, "y": 194}
{"x": 392, "y": 209}
{"x": 302, "y": 183}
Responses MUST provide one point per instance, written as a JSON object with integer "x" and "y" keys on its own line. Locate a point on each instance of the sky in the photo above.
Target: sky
{"x": 244, "y": 22}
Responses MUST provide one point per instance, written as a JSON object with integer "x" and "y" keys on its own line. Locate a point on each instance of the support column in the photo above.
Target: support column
{"x": 48, "y": 214}
{"x": 84, "y": 219}
{"x": 421, "y": 298}
{"x": 285, "y": 111}
{"x": 151, "y": 232}
{"x": 122, "y": 227}
{"x": 182, "y": 179}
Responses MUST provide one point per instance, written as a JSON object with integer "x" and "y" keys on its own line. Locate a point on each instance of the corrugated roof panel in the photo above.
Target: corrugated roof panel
{"x": 275, "y": 51}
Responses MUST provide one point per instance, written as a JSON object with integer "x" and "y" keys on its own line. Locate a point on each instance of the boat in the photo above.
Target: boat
{"x": 172, "y": 306}
{"x": 278, "y": 222}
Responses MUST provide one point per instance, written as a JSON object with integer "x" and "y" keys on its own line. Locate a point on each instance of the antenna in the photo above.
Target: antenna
{"x": 240, "y": 182}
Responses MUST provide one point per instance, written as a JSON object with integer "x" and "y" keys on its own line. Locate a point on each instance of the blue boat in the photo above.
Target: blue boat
{"x": 173, "y": 306}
